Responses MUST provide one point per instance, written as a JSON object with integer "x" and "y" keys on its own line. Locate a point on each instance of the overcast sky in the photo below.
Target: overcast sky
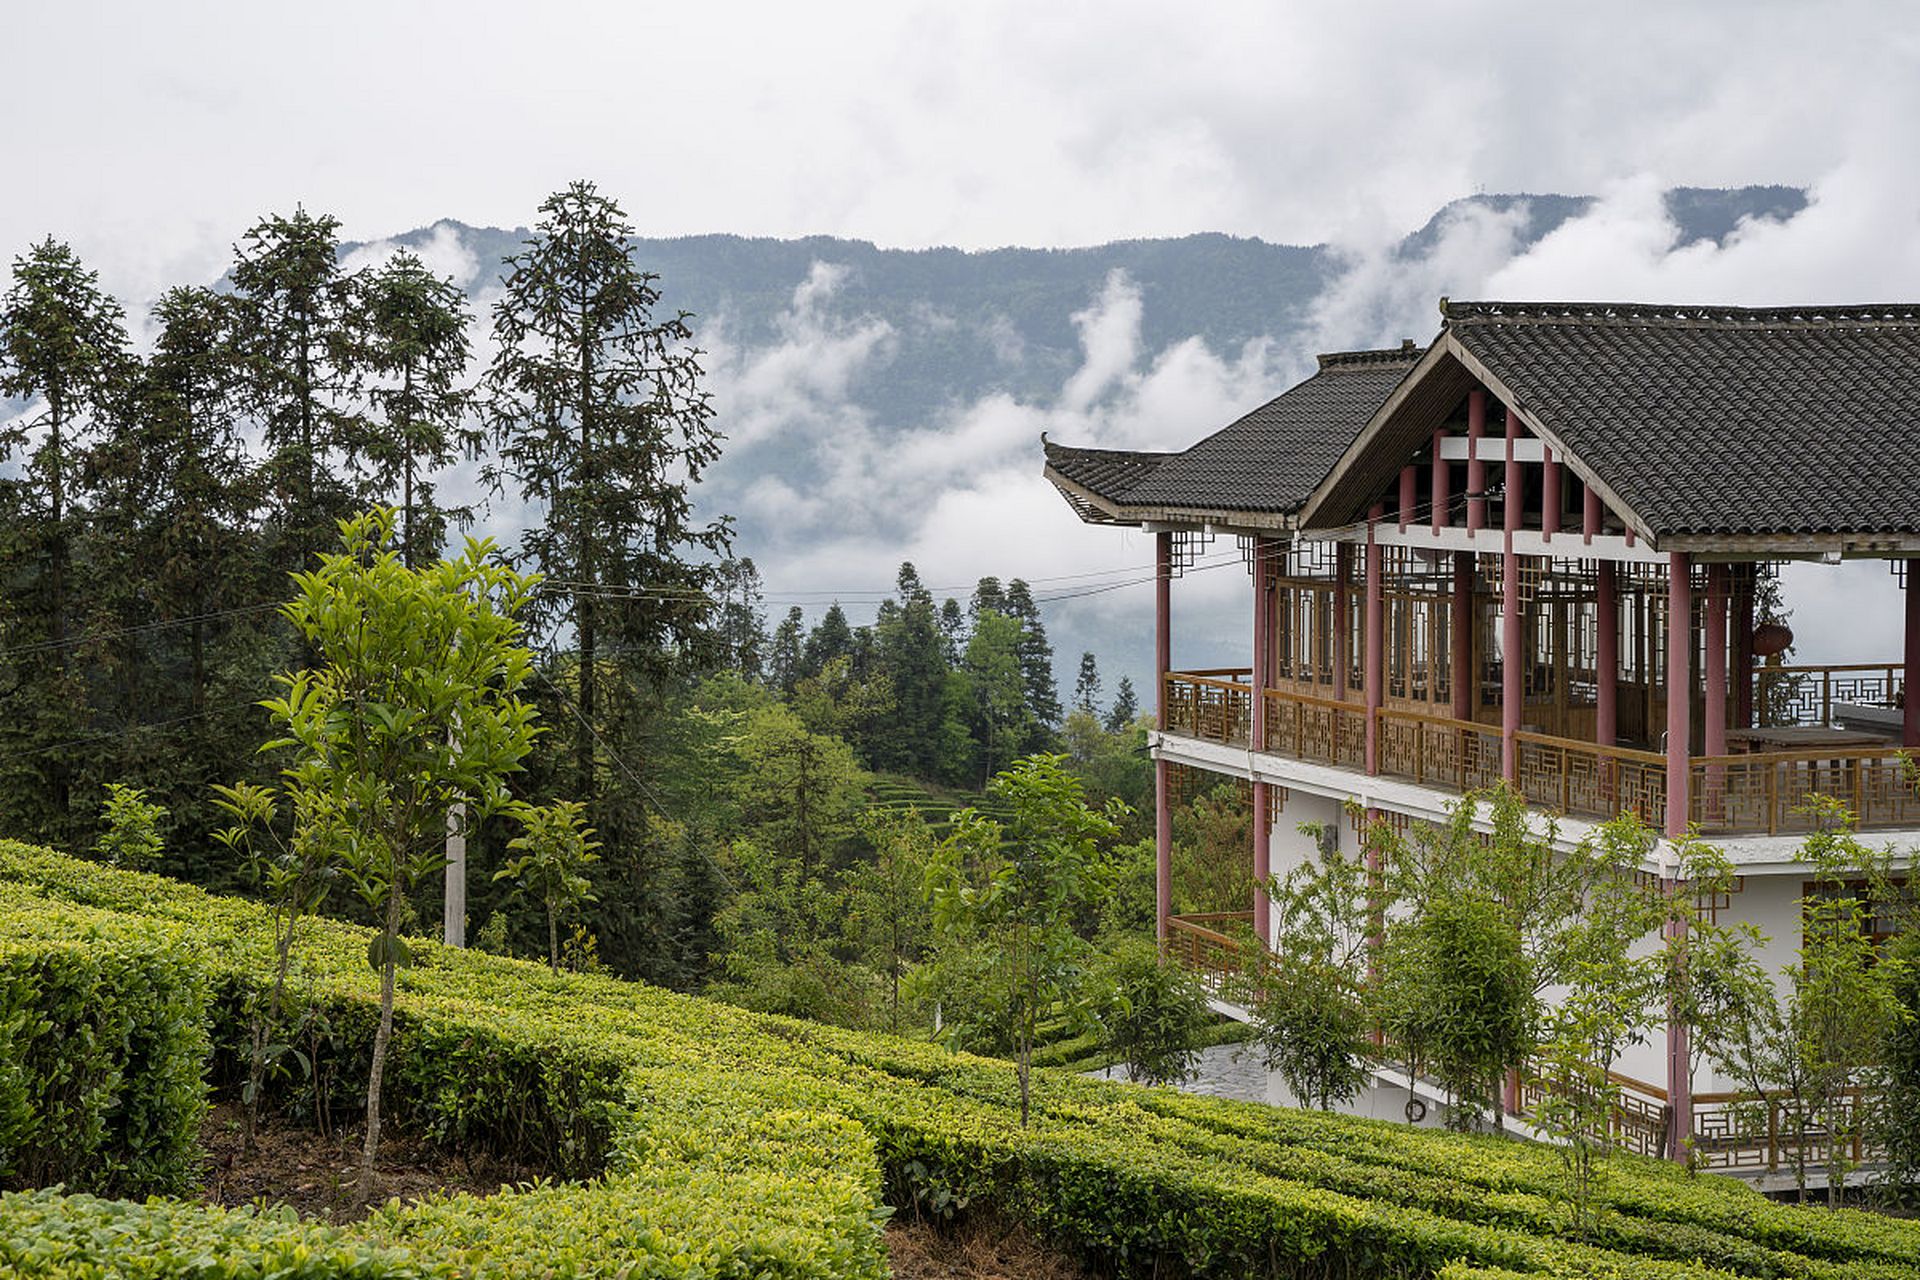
{"x": 151, "y": 134}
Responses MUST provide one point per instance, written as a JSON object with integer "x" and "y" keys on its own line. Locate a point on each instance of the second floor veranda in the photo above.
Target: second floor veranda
{"x": 1401, "y": 663}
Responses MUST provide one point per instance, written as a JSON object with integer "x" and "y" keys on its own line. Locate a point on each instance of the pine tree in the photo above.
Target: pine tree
{"x": 63, "y": 350}
{"x": 416, "y": 348}
{"x": 785, "y": 662}
{"x": 1086, "y": 688}
{"x": 600, "y": 418}
{"x": 913, "y": 659}
{"x": 988, "y": 597}
{"x": 1125, "y": 706}
{"x": 830, "y": 638}
{"x": 742, "y": 621}
{"x": 1036, "y": 657}
{"x": 302, "y": 363}
{"x": 953, "y": 629}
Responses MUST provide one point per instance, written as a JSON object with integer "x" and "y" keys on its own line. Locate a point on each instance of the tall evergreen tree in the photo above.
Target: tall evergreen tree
{"x": 302, "y": 362}
{"x": 63, "y": 350}
{"x": 600, "y": 418}
{"x": 988, "y": 597}
{"x": 830, "y": 638}
{"x": 1125, "y": 706}
{"x": 1036, "y": 656}
{"x": 416, "y": 348}
{"x": 785, "y": 661}
{"x": 913, "y": 658}
{"x": 1086, "y": 687}
{"x": 743, "y": 618}
{"x": 953, "y": 629}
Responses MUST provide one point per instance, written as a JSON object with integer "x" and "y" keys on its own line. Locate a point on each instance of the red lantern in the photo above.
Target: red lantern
{"x": 1771, "y": 638}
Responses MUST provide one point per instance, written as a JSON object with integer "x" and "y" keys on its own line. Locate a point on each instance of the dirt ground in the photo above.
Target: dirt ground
{"x": 316, "y": 1174}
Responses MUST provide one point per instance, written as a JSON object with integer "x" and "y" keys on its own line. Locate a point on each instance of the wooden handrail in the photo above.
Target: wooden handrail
{"x": 1231, "y": 673}
{"x": 1309, "y": 700}
{"x": 1806, "y": 756}
{"x": 1631, "y": 754}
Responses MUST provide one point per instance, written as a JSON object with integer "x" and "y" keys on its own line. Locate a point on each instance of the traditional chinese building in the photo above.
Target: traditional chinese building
{"x": 1529, "y": 552}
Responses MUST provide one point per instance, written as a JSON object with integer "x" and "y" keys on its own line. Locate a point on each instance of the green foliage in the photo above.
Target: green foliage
{"x": 414, "y": 709}
{"x": 130, "y": 835}
{"x": 103, "y": 1037}
{"x": 1019, "y": 890}
{"x": 1900, "y": 1116}
{"x": 1151, "y": 1014}
{"x": 555, "y": 848}
{"x": 1211, "y": 836}
{"x": 741, "y": 1145}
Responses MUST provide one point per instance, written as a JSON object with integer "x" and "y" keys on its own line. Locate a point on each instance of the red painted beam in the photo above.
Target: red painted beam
{"x": 1461, "y": 650}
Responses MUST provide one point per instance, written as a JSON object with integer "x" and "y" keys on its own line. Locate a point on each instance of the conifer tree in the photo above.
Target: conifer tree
{"x": 830, "y": 638}
{"x": 742, "y": 621}
{"x": 1125, "y": 706}
{"x": 1086, "y": 687}
{"x": 785, "y": 663}
{"x": 600, "y": 419}
{"x": 416, "y": 346}
{"x": 63, "y": 351}
{"x": 1036, "y": 657}
{"x": 302, "y": 364}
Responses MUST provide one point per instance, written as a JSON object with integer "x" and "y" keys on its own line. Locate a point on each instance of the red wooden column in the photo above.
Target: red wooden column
{"x": 1679, "y": 714}
{"x": 1714, "y": 712}
{"x": 1679, "y": 687}
{"x": 1409, "y": 493}
{"x": 1743, "y": 646}
{"x": 1476, "y": 469}
{"x": 1549, "y": 494}
{"x": 1342, "y": 606}
{"x": 1257, "y": 732}
{"x": 1606, "y": 653}
{"x": 1513, "y": 692}
{"x": 1910, "y": 715}
{"x": 1376, "y": 642}
{"x": 1441, "y": 498}
{"x": 1460, "y": 643}
{"x": 1162, "y": 663}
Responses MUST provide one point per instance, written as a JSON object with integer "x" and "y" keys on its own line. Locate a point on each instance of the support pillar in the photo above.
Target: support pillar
{"x": 1257, "y": 734}
{"x": 1162, "y": 663}
{"x": 1409, "y": 493}
{"x": 1342, "y": 606}
{"x": 1441, "y": 498}
{"x": 1513, "y": 692}
{"x": 1376, "y": 643}
{"x": 1606, "y": 654}
{"x": 1679, "y": 687}
{"x": 1460, "y": 645}
{"x": 1476, "y": 469}
{"x": 1743, "y": 646}
{"x": 1910, "y": 703}
{"x": 1549, "y": 495}
{"x": 1714, "y": 713}
{"x": 1679, "y": 715}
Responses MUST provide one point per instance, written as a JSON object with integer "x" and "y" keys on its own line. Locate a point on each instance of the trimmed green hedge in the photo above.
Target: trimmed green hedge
{"x": 741, "y": 1145}
{"x": 103, "y": 1042}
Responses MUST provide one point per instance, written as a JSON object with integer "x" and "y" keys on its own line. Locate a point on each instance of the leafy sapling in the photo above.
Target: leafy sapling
{"x": 131, "y": 837}
{"x": 555, "y": 848}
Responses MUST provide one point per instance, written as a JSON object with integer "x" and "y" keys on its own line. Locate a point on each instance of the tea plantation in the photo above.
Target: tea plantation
{"x": 702, "y": 1141}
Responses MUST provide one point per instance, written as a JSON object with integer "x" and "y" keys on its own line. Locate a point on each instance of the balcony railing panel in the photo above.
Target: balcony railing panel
{"x": 1437, "y": 751}
{"x": 1213, "y": 946}
{"x": 1319, "y": 730}
{"x": 1808, "y": 694}
{"x": 1215, "y": 706}
{"x": 1769, "y": 791}
{"x": 1589, "y": 780}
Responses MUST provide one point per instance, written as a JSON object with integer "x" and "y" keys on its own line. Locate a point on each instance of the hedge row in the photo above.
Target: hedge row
{"x": 743, "y": 1145}
{"x": 103, "y": 1038}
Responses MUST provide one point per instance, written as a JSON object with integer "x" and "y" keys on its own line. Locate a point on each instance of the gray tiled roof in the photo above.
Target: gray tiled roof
{"x": 1722, "y": 420}
{"x": 1267, "y": 461}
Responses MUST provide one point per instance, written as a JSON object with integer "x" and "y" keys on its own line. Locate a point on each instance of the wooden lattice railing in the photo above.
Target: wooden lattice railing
{"x": 1437, "y": 751}
{"x": 1319, "y": 730}
{"x": 1590, "y": 780}
{"x": 1769, "y": 791}
{"x": 1214, "y": 706}
{"x": 1808, "y": 694}
{"x": 1212, "y": 945}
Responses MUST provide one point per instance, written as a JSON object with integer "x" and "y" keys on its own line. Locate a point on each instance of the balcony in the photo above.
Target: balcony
{"x": 1761, "y": 792}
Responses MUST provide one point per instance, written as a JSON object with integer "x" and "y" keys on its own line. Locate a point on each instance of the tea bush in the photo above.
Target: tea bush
{"x": 714, "y": 1142}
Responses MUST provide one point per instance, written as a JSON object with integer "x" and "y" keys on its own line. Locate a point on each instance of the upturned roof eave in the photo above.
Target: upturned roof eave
{"x": 1112, "y": 512}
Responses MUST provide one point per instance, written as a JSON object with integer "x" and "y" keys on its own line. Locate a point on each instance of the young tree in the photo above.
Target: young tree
{"x": 130, "y": 835}
{"x": 1310, "y": 998}
{"x": 886, "y": 899}
{"x": 414, "y": 708}
{"x": 62, "y": 351}
{"x": 1150, "y": 1014}
{"x": 415, "y": 342}
{"x": 599, "y": 416}
{"x": 555, "y": 847}
{"x": 301, "y": 360}
{"x": 1019, "y": 887}
{"x": 295, "y": 875}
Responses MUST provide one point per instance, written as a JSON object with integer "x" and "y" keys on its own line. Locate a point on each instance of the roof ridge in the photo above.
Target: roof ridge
{"x": 1406, "y": 353}
{"x": 1677, "y": 315}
